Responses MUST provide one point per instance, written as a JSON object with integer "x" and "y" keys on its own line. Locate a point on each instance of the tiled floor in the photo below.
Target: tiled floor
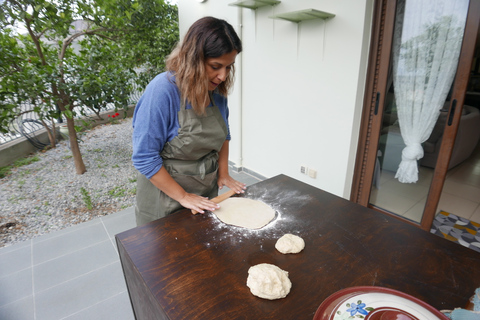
{"x": 76, "y": 274}
{"x": 71, "y": 274}
{"x": 460, "y": 196}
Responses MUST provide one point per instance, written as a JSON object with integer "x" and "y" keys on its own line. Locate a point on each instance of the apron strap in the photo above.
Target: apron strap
{"x": 183, "y": 104}
{"x": 210, "y": 94}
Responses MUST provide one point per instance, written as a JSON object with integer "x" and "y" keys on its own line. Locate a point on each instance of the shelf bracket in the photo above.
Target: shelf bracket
{"x": 254, "y": 4}
{"x": 302, "y": 15}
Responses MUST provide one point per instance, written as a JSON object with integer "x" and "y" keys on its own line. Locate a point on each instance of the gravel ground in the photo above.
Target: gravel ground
{"x": 48, "y": 195}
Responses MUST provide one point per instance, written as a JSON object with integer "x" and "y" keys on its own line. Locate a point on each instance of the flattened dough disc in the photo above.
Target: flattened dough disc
{"x": 246, "y": 213}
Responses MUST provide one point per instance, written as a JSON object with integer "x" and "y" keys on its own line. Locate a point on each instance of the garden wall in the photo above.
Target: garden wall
{"x": 21, "y": 147}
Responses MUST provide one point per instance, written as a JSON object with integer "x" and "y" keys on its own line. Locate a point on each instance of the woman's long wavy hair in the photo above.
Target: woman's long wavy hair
{"x": 207, "y": 38}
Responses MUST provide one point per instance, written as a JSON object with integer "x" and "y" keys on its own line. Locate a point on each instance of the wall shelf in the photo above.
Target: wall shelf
{"x": 254, "y": 4}
{"x": 302, "y": 15}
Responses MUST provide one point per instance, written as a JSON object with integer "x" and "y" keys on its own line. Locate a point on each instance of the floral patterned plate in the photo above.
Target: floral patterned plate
{"x": 375, "y": 303}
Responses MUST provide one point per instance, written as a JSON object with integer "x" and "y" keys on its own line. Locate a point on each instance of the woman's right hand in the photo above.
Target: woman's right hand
{"x": 163, "y": 181}
{"x": 197, "y": 203}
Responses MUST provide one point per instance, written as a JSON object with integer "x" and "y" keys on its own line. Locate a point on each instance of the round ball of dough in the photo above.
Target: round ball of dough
{"x": 268, "y": 281}
{"x": 290, "y": 243}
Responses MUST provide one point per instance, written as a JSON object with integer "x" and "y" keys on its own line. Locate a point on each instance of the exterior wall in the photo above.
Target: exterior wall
{"x": 299, "y": 88}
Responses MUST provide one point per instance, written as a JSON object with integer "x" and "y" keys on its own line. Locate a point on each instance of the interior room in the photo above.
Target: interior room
{"x": 461, "y": 191}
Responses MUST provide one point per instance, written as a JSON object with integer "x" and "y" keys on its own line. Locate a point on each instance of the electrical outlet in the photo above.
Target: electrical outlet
{"x": 304, "y": 169}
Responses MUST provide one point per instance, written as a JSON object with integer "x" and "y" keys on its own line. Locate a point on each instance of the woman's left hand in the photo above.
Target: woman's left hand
{"x": 231, "y": 183}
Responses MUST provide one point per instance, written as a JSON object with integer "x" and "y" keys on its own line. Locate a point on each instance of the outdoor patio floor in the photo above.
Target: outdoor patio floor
{"x": 70, "y": 274}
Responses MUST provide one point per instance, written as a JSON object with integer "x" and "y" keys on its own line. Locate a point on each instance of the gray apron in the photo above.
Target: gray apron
{"x": 191, "y": 158}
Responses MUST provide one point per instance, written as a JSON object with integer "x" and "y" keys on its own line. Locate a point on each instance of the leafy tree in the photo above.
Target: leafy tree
{"x": 79, "y": 54}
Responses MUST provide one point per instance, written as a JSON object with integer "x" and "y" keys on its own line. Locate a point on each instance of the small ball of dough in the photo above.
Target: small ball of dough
{"x": 268, "y": 281}
{"x": 290, "y": 243}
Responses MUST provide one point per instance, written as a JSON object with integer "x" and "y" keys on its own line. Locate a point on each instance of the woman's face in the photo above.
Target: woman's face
{"x": 218, "y": 68}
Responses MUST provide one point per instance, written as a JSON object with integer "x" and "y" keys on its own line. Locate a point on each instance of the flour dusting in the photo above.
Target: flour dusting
{"x": 275, "y": 197}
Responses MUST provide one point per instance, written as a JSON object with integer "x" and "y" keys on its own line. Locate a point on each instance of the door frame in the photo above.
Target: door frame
{"x": 374, "y": 98}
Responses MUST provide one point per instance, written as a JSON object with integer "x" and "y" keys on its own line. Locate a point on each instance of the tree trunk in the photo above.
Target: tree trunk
{"x": 51, "y": 134}
{"x": 63, "y": 104}
{"x": 77, "y": 156}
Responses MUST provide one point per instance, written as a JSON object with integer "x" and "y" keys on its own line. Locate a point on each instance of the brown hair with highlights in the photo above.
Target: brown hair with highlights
{"x": 208, "y": 37}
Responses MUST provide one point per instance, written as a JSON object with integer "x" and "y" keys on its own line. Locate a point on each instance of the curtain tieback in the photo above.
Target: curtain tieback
{"x": 412, "y": 151}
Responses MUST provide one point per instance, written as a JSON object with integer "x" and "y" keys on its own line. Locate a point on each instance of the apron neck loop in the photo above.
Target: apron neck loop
{"x": 183, "y": 103}
{"x": 210, "y": 94}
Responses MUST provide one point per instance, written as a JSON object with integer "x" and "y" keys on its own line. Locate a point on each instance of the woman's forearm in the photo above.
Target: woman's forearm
{"x": 164, "y": 181}
{"x": 224, "y": 178}
{"x": 223, "y": 159}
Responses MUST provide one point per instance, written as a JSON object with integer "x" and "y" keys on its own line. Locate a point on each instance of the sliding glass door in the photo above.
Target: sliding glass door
{"x": 413, "y": 104}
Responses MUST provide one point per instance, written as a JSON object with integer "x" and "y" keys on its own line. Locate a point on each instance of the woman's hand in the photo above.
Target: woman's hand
{"x": 224, "y": 178}
{"x": 164, "y": 181}
{"x": 228, "y": 181}
{"x": 197, "y": 203}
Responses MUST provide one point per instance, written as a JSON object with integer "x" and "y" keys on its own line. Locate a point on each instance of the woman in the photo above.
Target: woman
{"x": 181, "y": 134}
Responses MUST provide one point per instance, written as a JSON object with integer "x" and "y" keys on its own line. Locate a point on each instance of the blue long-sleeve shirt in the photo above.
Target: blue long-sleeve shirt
{"x": 155, "y": 122}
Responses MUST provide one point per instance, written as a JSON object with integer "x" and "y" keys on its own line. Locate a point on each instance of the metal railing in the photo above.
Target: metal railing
{"x": 28, "y": 124}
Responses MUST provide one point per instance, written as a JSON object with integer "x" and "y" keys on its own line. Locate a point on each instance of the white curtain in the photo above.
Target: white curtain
{"x": 427, "y": 39}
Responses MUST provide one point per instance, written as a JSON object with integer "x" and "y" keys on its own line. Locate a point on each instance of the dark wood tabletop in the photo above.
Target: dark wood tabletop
{"x": 188, "y": 266}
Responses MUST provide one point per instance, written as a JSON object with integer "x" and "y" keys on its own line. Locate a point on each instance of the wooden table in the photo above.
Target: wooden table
{"x": 189, "y": 266}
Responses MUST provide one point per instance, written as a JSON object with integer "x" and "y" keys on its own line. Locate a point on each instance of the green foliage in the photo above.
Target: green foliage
{"x": 5, "y": 171}
{"x": 118, "y": 192}
{"x": 86, "y": 198}
{"x": 25, "y": 161}
{"x": 62, "y": 63}
{"x": 154, "y": 40}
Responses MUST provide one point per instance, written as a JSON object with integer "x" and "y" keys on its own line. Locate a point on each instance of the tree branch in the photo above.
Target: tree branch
{"x": 35, "y": 41}
{"x": 70, "y": 39}
{"x": 42, "y": 32}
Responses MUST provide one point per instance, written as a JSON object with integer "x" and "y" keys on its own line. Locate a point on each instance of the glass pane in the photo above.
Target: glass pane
{"x": 461, "y": 190}
{"x": 426, "y": 46}
{"x": 404, "y": 199}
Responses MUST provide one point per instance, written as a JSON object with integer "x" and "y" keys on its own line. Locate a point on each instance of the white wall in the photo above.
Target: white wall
{"x": 299, "y": 90}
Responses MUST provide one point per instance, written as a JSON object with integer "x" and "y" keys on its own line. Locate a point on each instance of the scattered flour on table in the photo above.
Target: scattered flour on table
{"x": 244, "y": 212}
{"x": 222, "y": 232}
{"x": 276, "y": 197}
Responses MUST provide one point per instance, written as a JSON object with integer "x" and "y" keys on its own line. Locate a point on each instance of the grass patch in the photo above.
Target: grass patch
{"x": 5, "y": 171}
{"x": 86, "y": 198}
{"x": 118, "y": 192}
{"x": 25, "y": 161}
{"x": 26, "y": 172}
{"x": 16, "y": 199}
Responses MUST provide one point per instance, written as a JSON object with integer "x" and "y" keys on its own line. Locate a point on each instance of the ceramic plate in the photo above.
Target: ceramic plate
{"x": 372, "y": 303}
